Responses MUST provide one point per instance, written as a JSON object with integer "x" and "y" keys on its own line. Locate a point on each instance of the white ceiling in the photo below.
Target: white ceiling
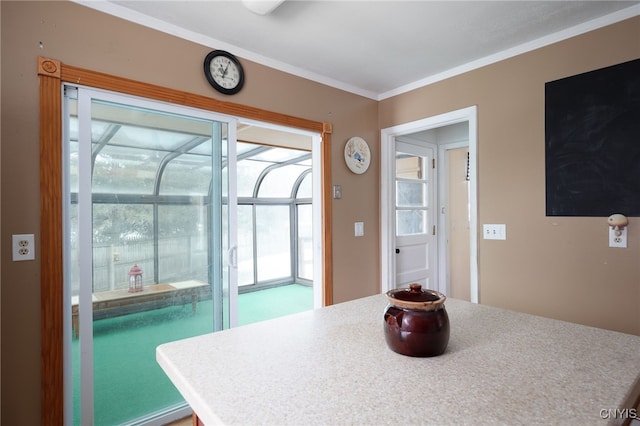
{"x": 374, "y": 48}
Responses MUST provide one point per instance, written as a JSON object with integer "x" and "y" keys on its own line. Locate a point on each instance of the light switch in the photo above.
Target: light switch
{"x": 359, "y": 229}
{"x": 337, "y": 192}
{"x": 494, "y": 231}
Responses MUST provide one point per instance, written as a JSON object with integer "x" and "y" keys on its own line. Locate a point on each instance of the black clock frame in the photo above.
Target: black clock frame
{"x": 207, "y": 71}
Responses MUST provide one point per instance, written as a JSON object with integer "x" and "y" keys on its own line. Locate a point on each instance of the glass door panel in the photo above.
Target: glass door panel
{"x": 150, "y": 225}
{"x": 412, "y": 202}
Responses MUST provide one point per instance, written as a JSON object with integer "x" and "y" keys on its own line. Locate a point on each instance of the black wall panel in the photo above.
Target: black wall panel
{"x": 592, "y": 135}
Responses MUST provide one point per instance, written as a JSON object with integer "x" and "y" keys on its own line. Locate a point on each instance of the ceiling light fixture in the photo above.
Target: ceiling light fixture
{"x": 262, "y": 7}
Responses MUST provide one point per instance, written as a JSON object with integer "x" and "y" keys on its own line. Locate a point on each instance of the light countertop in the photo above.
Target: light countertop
{"x": 331, "y": 366}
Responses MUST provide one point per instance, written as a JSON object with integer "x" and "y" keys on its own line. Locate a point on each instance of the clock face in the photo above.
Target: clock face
{"x": 357, "y": 155}
{"x": 224, "y": 72}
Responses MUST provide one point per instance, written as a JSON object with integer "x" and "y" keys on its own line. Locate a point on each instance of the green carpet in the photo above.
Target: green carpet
{"x": 128, "y": 382}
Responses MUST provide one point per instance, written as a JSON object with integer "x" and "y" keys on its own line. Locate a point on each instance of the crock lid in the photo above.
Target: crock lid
{"x": 415, "y": 297}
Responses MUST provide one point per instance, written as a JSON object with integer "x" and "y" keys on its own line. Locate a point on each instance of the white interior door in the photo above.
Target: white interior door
{"x": 415, "y": 243}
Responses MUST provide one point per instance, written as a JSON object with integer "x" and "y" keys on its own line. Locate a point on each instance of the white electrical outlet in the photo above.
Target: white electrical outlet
{"x": 616, "y": 240}
{"x": 23, "y": 247}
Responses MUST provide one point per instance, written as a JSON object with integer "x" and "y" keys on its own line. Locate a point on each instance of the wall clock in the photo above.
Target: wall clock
{"x": 357, "y": 155}
{"x": 224, "y": 72}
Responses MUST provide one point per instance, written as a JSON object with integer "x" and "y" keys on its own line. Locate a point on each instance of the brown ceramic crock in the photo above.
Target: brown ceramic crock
{"x": 416, "y": 322}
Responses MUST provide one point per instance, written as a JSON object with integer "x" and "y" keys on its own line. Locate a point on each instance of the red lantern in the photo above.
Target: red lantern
{"x": 135, "y": 279}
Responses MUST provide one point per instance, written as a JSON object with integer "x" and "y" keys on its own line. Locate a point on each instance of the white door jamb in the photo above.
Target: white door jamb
{"x": 387, "y": 191}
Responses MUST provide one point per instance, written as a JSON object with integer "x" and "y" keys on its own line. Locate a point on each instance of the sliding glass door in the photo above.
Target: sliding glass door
{"x": 150, "y": 248}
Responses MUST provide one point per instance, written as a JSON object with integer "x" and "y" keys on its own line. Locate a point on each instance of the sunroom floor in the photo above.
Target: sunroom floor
{"x": 129, "y": 383}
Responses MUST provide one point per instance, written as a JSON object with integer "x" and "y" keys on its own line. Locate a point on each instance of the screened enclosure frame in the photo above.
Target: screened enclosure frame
{"x": 51, "y": 75}
{"x": 292, "y": 202}
{"x": 156, "y": 194}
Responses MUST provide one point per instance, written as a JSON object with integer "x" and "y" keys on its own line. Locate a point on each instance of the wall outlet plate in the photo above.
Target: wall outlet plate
{"x": 494, "y": 231}
{"x": 619, "y": 241}
{"x": 23, "y": 247}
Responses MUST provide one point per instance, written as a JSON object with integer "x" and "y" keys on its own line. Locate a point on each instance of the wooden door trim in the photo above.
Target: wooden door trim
{"x": 51, "y": 272}
{"x": 52, "y": 74}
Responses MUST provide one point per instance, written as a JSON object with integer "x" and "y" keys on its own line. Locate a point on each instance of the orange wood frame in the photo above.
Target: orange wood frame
{"x": 52, "y": 74}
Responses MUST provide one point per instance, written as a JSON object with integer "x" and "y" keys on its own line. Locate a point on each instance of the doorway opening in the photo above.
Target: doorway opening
{"x": 275, "y": 216}
{"x": 56, "y": 316}
{"x": 450, "y": 135}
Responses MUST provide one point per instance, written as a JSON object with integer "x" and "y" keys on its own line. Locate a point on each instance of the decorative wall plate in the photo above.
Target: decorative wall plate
{"x": 357, "y": 155}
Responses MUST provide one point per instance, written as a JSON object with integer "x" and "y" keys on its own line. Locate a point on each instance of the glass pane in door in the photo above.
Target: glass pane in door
{"x": 152, "y": 198}
{"x": 412, "y": 193}
{"x": 411, "y": 222}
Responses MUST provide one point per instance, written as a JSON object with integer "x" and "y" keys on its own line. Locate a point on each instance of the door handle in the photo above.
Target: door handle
{"x": 397, "y": 250}
{"x": 233, "y": 257}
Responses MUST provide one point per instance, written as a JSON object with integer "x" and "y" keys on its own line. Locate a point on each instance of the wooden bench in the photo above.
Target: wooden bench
{"x": 109, "y": 304}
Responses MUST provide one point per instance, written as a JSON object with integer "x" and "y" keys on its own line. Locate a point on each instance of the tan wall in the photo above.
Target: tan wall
{"x": 458, "y": 222}
{"x": 79, "y": 36}
{"x": 559, "y": 267}
{"x": 555, "y": 267}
